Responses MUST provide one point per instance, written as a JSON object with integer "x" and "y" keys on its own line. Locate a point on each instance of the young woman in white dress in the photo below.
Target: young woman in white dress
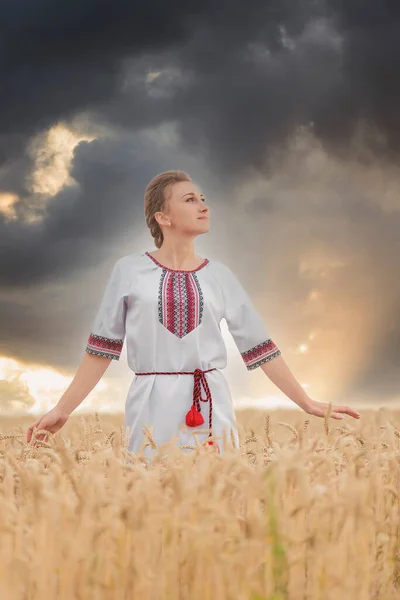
{"x": 166, "y": 306}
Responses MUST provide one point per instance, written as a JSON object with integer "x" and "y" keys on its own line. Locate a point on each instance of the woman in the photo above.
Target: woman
{"x": 168, "y": 305}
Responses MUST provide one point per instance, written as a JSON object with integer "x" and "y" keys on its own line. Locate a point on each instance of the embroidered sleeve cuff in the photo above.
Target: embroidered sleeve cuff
{"x": 103, "y": 346}
{"x": 260, "y": 354}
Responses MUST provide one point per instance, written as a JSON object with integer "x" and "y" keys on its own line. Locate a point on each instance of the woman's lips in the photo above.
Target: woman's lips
{"x": 204, "y": 218}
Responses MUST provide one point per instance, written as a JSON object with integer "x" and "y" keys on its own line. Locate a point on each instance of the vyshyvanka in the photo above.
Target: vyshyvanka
{"x": 170, "y": 322}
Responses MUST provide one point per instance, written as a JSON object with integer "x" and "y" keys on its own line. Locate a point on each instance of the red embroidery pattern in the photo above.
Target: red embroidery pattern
{"x": 260, "y": 354}
{"x": 203, "y": 264}
{"x": 180, "y": 302}
{"x": 103, "y": 346}
{"x": 180, "y": 299}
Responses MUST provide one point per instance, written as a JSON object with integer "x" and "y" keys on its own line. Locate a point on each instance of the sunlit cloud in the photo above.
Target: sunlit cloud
{"x": 317, "y": 262}
{"x": 53, "y": 153}
{"x": 36, "y": 389}
{"x": 152, "y": 75}
{"x": 7, "y": 205}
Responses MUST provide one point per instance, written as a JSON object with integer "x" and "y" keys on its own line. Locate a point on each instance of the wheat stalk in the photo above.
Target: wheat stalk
{"x": 291, "y": 428}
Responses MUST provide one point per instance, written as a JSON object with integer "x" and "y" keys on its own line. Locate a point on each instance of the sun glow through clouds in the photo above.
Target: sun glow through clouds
{"x": 7, "y": 208}
{"x": 36, "y": 389}
{"x": 53, "y": 153}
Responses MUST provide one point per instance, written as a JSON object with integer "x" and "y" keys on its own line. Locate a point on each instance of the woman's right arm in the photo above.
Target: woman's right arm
{"x": 104, "y": 344}
{"x": 89, "y": 373}
{"x": 106, "y": 337}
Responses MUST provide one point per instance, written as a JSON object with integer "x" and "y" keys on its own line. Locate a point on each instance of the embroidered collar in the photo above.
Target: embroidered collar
{"x": 203, "y": 264}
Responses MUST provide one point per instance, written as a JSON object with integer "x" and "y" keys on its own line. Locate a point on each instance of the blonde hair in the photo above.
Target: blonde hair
{"x": 155, "y": 200}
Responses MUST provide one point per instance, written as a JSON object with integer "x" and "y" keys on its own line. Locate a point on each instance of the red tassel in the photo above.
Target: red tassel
{"x": 193, "y": 417}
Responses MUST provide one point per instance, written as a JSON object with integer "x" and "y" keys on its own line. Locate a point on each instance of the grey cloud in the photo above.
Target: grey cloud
{"x": 82, "y": 220}
{"x": 250, "y": 75}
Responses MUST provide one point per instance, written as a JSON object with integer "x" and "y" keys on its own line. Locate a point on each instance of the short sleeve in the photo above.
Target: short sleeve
{"x": 245, "y": 323}
{"x": 108, "y": 329}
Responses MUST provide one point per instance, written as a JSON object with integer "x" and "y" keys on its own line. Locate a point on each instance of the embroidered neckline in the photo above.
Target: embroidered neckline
{"x": 203, "y": 264}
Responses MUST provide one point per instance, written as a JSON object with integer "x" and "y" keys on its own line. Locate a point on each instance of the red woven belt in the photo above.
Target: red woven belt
{"x": 194, "y": 418}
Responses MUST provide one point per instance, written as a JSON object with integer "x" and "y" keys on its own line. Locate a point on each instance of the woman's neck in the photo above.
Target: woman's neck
{"x": 178, "y": 258}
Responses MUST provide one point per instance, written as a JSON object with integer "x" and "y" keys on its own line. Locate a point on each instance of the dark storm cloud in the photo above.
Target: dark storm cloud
{"x": 331, "y": 68}
{"x": 56, "y": 61}
{"x": 371, "y": 67}
{"x": 84, "y": 220}
{"x": 250, "y": 74}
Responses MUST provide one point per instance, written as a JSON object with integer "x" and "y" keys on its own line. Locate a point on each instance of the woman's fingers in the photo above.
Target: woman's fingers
{"x": 335, "y": 415}
{"x": 31, "y": 428}
{"x": 347, "y": 410}
{"x": 337, "y": 411}
{"x": 41, "y": 431}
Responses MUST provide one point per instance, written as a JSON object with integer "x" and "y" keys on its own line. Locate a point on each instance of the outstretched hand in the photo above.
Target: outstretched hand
{"x": 338, "y": 411}
{"x": 51, "y": 421}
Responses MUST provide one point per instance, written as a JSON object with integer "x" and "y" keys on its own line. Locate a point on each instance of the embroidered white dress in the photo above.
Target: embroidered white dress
{"x": 170, "y": 322}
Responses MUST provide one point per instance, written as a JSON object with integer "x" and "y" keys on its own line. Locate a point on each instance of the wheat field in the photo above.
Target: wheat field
{"x": 305, "y": 508}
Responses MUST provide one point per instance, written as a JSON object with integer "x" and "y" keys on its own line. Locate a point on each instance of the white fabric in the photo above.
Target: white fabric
{"x": 129, "y": 313}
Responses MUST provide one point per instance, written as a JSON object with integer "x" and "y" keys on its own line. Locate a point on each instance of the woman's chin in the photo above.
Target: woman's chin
{"x": 204, "y": 225}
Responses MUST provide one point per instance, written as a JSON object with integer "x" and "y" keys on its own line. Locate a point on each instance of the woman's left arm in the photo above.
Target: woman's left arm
{"x": 279, "y": 373}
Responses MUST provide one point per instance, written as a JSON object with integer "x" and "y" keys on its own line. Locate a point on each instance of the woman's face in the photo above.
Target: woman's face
{"x": 186, "y": 211}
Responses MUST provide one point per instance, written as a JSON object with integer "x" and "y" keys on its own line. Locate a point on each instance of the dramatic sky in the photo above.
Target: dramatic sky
{"x": 287, "y": 116}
